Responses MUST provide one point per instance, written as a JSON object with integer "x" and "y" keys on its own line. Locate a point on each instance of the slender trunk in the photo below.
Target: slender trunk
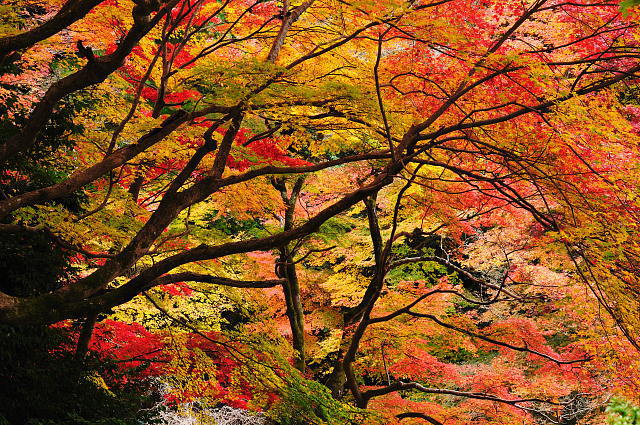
{"x": 337, "y": 379}
{"x": 82, "y": 348}
{"x": 295, "y": 312}
{"x": 366, "y": 306}
{"x": 287, "y": 269}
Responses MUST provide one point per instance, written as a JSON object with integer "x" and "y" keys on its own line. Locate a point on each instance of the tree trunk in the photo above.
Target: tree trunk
{"x": 82, "y": 348}
{"x": 286, "y": 268}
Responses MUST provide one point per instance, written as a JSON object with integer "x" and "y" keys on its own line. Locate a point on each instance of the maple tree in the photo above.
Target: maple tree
{"x": 405, "y": 200}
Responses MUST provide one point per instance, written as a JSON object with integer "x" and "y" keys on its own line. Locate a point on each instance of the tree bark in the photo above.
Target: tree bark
{"x": 287, "y": 267}
{"x": 82, "y": 348}
{"x": 95, "y": 71}
{"x": 71, "y": 12}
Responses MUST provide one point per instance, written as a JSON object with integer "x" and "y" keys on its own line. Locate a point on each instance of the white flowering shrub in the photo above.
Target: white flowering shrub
{"x": 225, "y": 415}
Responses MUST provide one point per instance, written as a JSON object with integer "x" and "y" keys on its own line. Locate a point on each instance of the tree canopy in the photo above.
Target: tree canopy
{"x": 326, "y": 211}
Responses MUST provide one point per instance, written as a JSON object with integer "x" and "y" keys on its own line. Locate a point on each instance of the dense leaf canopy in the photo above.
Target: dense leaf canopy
{"x": 325, "y": 211}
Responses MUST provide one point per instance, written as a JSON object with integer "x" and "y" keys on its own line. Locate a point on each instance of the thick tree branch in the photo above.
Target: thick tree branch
{"x": 289, "y": 17}
{"x": 71, "y": 11}
{"x": 77, "y": 300}
{"x": 95, "y": 71}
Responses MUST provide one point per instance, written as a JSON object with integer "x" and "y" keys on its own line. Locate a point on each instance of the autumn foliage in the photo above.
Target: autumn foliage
{"x": 324, "y": 211}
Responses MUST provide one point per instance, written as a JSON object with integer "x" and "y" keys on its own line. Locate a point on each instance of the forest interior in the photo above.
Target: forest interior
{"x": 260, "y": 212}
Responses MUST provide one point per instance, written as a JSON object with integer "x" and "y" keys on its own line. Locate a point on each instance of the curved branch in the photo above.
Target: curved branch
{"x": 402, "y": 386}
{"x": 419, "y": 415}
{"x": 407, "y": 308}
{"x": 493, "y": 341}
{"x": 288, "y": 19}
{"x": 456, "y": 268}
{"x": 119, "y": 157}
{"x": 88, "y": 295}
{"x": 540, "y": 108}
{"x": 215, "y": 280}
{"x": 95, "y": 71}
{"x": 70, "y": 12}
